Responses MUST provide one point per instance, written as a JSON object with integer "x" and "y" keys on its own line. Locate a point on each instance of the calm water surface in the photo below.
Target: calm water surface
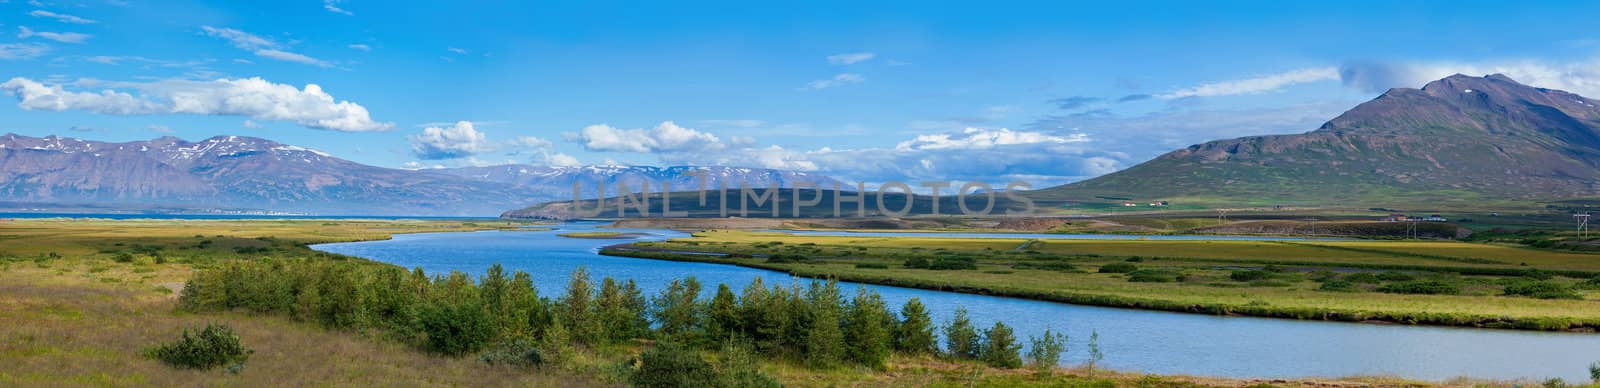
{"x": 1132, "y": 340}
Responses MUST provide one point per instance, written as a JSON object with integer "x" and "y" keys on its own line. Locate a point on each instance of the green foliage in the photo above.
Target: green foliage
{"x": 1094, "y": 351}
{"x": 1391, "y": 276}
{"x": 961, "y": 338}
{"x": 1422, "y": 287}
{"x": 1249, "y": 276}
{"x": 207, "y": 348}
{"x": 1119, "y": 267}
{"x": 869, "y": 330}
{"x": 872, "y": 266}
{"x": 722, "y": 315}
{"x": 676, "y": 309}
{"x": 1542, "y": 290}
{"x": 514, "y": 352}
{"x": 914, "y": 334}
{"x": 1045, "y": 351}
{"x": 578, "y": 309}
{"x": 825, "y": 343}
{"x": 1594, "y": 371}
{"x": 671, "y": 365}
{"x": 954, "y": 263}
{"x": 455, "y": 328}
{"x": 787, "y": 258}
{"x": 1000, "y": 347}
{"x": 1337, "y": 286}
{"x": 1363, "y": 277}
{"x": 917, "y": 263}
{"x": 1154, "y": 276}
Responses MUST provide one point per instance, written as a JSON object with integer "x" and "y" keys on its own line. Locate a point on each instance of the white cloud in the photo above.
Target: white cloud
{"x": 360, "y": 47}
{"x": 666, "y": 137}
{"x": 291, "y": 57}
{"x": 453, "y": 142}
{"x": 1256, "y": 85}
{"x": 23, "y": 32}
{"x": 560, "y": 160}
{"x": 249, "y": 97}
{"x": 261, "y": 46}
{"x": 64, "y": 18}
{"x": 162, "y": 129}
{"x": 251, "y": 124}
{"x": 1581, "y": 77}
{"x": 850, "y": 58}
{"x": 837, "y": 80}
{"x": 979, "y": 138}
{"x": 12, "y": 51}
{"x": 333, "y": 6}
{"x": 461, "y": 51}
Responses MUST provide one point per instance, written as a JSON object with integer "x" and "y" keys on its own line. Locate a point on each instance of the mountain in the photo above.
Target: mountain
{"x": 559, "y": 180}
{"x": 1460, "y": 138}
{"x": 237, "y": 172}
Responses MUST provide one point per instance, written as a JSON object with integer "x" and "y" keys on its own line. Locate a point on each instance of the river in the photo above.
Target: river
{"x": 1132, "y": 340}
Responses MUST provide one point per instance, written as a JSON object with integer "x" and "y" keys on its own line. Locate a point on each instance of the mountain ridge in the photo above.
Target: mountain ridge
{"x": 1460, "y": 138}
{"x": 250, "y": 172}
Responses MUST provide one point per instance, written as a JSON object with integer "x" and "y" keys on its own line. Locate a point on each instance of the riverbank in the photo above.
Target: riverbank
{"x": 1358, "y": 281}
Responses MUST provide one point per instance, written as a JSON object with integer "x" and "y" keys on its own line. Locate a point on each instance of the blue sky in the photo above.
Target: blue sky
{"x": 1045, "y": 92}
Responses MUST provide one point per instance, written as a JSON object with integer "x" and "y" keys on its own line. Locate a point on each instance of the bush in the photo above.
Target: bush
{"x": 1118, "y": 268}
{"x": 872, "y": 266}
{"x": 1422, "y": 287}
{"x": 1049, "y": 266}
{"x": 213, "y": 346}
{"x": 1542, "y": 290}
{"x": 1000, "y": 347}
{"x": 1392, "y": 276}
{"x": 1337, "y": 286}
{"x": 123, "y": 257}
{"x": 1154, "y": 276}
{"x": 669, "y": 364}
{"x": 917, "y": 263}
{"x": 455, "y": 330}
{"x": 1249, "y": 276}
{"x": 1362, "y": 277}
{"x": 787, "y": 258}
{"x": 954, "y": 263}
{"x": 518, "y": 352}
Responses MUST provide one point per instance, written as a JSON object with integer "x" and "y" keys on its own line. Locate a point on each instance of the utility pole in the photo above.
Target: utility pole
{"x": 1313, "y": 225}
{"x": 1222, "y": 216}
{"x": 1583, "y": 223}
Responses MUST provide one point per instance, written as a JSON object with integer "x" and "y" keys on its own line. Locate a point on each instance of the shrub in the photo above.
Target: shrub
{"x": 1154, "y": 276}
{"x": 1422, "y": 287}
{"x": 917, "y": 263}
{"x": 1045, "y": 351}
{"x": 1337, "y": 286}
{"x": 1049, "y": 266}
{"x": 669, "y": 364}
{"x": 517, "y": 352}
{"x": 954, "y": 263}
{"x": 1542, "y": 290}
{"x": 1363, "y": 277}
{"x": 787, "y": 258}
{"x": 1249, "y": 276}
{"x": 872, "y": 266}
{"x": 1392, "y": 276}
{"x": 123, "y": 257}
{"x": 455, "y": 329}
{"x": 1594, "y": 371}
{"x": 210, "y": 347}
{"x": 1118, "y": 268}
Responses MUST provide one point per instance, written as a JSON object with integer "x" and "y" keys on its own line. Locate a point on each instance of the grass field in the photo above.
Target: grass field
{"x": 1275, "y": 279}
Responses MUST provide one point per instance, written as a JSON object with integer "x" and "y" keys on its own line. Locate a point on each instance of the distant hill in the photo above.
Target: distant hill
{"x": 1460, "y": 139}
{"x": 236, "y": 172}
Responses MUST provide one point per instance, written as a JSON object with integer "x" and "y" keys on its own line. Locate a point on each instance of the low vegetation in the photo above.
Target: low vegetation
{"x": 213, "y": 346}
{"x": 1413, "y": 282}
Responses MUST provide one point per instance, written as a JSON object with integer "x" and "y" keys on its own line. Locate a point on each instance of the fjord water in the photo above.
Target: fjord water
{"x": 1132, "y": 340}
